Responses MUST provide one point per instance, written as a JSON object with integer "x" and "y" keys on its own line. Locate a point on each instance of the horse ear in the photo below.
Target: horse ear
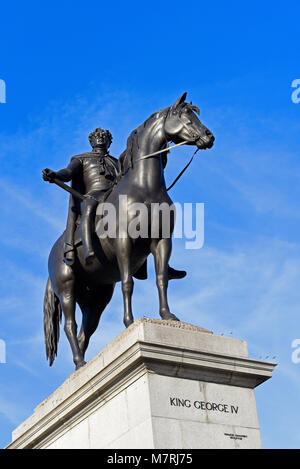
{"x": 179, "y": 100}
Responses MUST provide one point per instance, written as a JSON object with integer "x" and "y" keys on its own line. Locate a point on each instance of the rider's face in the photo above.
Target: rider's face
{"x": 101, "y": 140}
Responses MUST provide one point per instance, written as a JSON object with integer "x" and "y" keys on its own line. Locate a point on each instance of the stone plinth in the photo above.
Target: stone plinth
{"x": 159, "y": 384}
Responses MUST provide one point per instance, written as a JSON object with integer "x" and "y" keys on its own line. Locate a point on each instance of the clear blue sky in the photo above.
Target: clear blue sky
{"x": 72, "y": 66}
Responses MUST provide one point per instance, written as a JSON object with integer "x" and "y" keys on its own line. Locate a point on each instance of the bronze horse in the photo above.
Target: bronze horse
{"x": 119, "y": 258}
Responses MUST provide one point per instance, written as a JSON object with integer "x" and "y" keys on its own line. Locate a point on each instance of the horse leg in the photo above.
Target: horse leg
{"x": 123, "y": 251}
{"x": 161, "y": 250}
{"x": 68, "y": 304}
{"x": 92, "y": 305}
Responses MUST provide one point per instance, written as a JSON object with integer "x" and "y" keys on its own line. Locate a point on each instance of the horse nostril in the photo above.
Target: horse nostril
{"x": 208, "y": 133}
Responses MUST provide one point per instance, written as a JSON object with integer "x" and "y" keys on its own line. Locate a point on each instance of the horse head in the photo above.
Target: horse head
{"x": 182, "y": 124}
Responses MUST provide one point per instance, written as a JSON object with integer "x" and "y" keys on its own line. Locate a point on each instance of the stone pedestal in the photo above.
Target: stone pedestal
{"x": 159, "y": 384}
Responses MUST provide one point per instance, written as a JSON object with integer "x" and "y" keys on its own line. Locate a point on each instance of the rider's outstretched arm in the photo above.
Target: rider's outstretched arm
{"x": 70, "y": 171}
{"x": 64, "y": 175}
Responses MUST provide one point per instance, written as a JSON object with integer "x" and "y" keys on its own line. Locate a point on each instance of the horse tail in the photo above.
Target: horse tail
{"x": 52, "y": 318}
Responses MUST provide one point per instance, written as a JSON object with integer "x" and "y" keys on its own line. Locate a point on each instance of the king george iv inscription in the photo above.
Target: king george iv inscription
{"x": 203, "y": 405}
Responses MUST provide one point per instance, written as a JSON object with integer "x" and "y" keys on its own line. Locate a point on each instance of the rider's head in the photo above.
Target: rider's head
{"x": 100, "y": 138}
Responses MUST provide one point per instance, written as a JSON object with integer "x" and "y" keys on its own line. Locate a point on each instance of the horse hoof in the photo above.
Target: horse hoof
{"x": 80, "y": 365}
{"x": 170, "y": 317}
{"x": 176, "y": 274}
{"x": 128, "y": 322}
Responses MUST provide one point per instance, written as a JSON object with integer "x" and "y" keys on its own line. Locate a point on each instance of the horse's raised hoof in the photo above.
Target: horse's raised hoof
{"x": 174, "y": 274}
{"x": 80, "y": 364}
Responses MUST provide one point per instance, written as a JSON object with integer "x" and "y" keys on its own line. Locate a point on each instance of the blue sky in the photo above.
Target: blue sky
{"x": 72, "y": 66}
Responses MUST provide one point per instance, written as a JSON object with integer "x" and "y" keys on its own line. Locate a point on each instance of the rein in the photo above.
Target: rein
{"x": 181, "y": 172}
{"x": 167, "y": 149}
{"x": 161, "y": 151}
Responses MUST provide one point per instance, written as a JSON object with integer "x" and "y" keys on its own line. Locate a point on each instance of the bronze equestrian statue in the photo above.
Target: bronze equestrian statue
{"x": 83, "y": 266}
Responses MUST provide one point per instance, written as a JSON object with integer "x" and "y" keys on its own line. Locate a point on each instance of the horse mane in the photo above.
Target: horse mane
{"x": 126, "y": 158}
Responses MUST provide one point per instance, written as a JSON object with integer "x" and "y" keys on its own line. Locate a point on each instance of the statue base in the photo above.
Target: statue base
{"x": 159, "y": 384}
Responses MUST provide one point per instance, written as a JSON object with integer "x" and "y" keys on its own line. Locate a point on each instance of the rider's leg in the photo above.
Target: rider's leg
{"x": 69, "y": 254}
{"x": 86, "y": 226}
